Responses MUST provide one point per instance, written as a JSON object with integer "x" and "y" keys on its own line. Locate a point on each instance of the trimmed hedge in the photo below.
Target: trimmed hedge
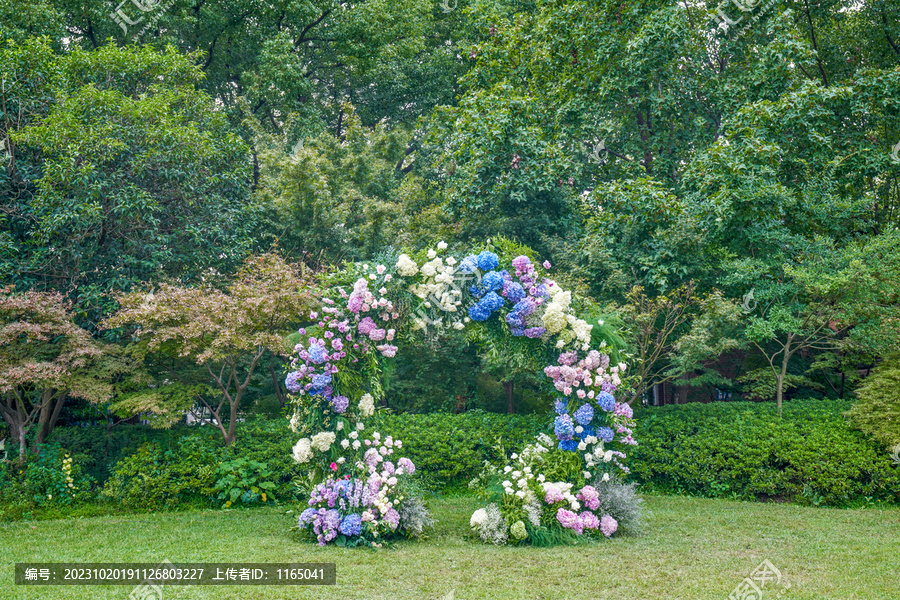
{"x": 726, "y": 449}
{"x": 744, "y": 450}
{"x": 449, "y": 450}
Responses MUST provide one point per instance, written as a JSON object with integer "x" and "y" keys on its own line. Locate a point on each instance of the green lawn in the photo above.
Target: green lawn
{"x": 693, "y": 549}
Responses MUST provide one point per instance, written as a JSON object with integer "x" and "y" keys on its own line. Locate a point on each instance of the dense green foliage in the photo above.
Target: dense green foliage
{"x": 877, "y": 412}
{"x": 744, "y": 450}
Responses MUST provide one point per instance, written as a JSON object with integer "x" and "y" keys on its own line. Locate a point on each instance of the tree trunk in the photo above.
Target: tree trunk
{"x": 779, "y": 395}
{"x": 282, "y": 400}
{"x": 508, "y": 388}
{"x": 48, "y": 418}
{"x": 232, "y": 418}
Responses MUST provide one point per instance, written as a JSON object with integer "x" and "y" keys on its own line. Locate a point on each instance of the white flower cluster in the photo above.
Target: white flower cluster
{"x": 490, "y": 525}
{"x": 302, "y": 451}
{"x": 366, "y": 406}
{"x": 323, "y": 440}
{"x": 567, "y": 326}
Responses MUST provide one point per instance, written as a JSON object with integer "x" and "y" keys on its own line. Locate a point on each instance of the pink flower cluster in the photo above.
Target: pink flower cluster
{"x": 608, "y": 525}
{"x": 572, "y": 373}
{"x": 590, "y": 497}
{"x": 577, "y": 523}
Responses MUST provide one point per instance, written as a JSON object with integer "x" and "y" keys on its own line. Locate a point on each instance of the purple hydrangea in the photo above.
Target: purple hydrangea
{"x": 407, "y": 465}
{"x": 307, "y": 516}
{"x": 623, "y": 410}
{"x": 560, "y": 406}
{"x": 392, "y": 518}
{"x": 292, "y": 382}
{"x": 535, "y": 332}
{"x": 340, "y": 404}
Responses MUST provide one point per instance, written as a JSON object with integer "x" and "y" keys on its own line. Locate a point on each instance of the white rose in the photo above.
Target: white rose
{"x": 442, "y": 245}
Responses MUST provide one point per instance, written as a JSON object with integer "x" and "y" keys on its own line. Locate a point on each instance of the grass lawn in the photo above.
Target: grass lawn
{"x": 693, "y": 549}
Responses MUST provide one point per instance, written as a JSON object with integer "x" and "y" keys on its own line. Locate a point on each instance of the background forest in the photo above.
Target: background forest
{"x": 721, "y": 180}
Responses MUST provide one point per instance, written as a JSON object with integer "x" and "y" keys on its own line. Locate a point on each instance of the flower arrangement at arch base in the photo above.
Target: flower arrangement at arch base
{"x": 366, "y": 495}
{"x": 360, "y": 490}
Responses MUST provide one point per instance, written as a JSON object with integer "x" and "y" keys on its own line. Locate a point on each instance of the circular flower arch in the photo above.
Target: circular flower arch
{"x": 360, "y": 489}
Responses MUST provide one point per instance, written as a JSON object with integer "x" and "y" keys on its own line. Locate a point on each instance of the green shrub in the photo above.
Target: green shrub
{"x": 449, "y": 449}
{"x": 154, "y": 478}
{"x": 743, "y": 450}
{"x": 877, "y": 412}
{"x": 247, "y": 481}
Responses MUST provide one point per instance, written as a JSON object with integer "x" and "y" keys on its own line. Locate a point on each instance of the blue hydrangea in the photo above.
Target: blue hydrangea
{"x": 492, "y": 301}
{"x": 488, "y": 261}
{"x": 320, "y": 381}
{"x": 561, "y": 406}
{"x": 606, "y": 401}
{"x": 477, "y": 290}
{"x": 317, "y": 354}
{"x": 516, "y": 330}
{"x": 492, "y": 281}
{"x": 586, "y": 431}
{"x": 351, "y": 525}
{"x": 469, "y": 264}
{"x": 585, "y": 414}
{"x": 605, "y": 434}
{"x": 477, "y": 312}
{"x": 568, "y": 445}
{"x": 307, "y": 516}
{"x": 563, "y": 427}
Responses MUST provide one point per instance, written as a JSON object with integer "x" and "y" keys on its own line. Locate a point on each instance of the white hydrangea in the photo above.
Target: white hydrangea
{"x": 554, "y": 318}
{"x": 367, "y": 406}
{"x": 302, "y": 452}
{"x": 323, "y": 440}
{"x": 406, "y": 266}
{"x": 478, "y": 518}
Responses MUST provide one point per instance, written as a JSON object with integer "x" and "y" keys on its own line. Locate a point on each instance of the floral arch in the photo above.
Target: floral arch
{"x": 360, "y": 490}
